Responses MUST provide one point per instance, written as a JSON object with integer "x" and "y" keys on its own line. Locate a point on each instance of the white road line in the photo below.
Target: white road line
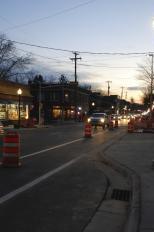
{"x": 38, "y": 180}
{"x": 50, "y": 148}
{"x": 55, "y": 147}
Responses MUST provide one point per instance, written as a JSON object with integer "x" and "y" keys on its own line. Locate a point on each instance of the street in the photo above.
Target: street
{"x": 60, "y": 183}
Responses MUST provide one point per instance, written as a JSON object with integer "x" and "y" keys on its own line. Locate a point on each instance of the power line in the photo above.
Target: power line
{"x": 39, "y": 46}
{"x": 81, "y": 64}
{"x": 83, "y": 52}
{"x": 50, "y": 16}
{"x": 58, "y": 61}
{"x": 5, "y": 20}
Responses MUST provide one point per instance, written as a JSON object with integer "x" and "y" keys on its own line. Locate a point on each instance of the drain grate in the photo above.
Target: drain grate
{"x": 121, "y": 194}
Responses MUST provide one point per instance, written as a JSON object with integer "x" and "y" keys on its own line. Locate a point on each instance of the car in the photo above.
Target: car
{"x": 115, "y": 116}
{"x": 99, "y": 119}
{"x": 124, "y": 116}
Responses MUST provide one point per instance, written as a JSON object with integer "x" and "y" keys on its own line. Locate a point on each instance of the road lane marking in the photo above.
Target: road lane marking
{"x": 38, "y": 180}
{"x": 55, "y": 147}
{"x": 50, "y": 148}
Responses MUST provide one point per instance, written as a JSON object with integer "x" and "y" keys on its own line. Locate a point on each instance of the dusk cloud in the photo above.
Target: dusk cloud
{"x": 135, "y": 88}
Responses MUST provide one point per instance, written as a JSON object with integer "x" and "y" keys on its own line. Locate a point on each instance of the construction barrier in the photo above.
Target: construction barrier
{"x": 141, "y": 125}
{"x": 11, "y": 149}
{"x": 111, "y": 125}
{"x": 130, "y": 127}
{"x": 116, "y": 125}
{"x": 88, "y": 130}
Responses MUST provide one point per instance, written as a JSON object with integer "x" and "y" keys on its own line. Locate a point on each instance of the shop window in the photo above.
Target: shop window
{"x": 2, "y": 111}
{"x": 56, "y": 112}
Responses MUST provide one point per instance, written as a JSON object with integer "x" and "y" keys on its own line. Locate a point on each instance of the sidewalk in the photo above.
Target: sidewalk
{"x": 136, "y": 151}
{"x": 133, "y": 154}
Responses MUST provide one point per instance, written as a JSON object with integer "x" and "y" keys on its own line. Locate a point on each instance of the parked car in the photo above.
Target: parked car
{"x": 99, "y": 119}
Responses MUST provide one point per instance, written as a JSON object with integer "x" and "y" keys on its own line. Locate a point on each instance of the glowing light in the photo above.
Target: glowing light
{"x": 19, "y": 91}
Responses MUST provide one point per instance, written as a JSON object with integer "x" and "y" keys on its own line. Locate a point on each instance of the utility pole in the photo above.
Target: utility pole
{"x": 120, "y": 100}
{"x": 122, "y": 89}
{"x": 39, "y": 116}
{"x": 151, "y": 85}
{"x": 126, "y": 96}
{"x": 75, "y": 58}
{"x": 108, "y": 87}
{"x": 75, "y": 62}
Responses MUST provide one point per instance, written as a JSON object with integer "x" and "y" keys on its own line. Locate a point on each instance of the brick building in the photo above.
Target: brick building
{"x": 59, "y": 101}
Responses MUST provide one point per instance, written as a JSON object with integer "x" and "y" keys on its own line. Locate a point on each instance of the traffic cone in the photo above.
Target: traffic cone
{"x": 88, "y": 130}
{"x": 130, "y": 127}
{"x": 110, "y": 125}
{"x": 116, "y": 123}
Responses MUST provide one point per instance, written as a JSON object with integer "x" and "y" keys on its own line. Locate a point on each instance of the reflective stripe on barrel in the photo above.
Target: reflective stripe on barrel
{"x": 11, "y": 149}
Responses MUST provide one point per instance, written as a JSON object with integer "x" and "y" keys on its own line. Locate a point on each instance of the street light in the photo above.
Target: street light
{"x": 39, "y": 110}
{"x": 19, "y": 92}
{"x": 151, "y": 85}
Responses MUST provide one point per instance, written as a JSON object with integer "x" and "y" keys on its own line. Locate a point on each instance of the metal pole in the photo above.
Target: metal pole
{"x": 108, "y": 87}
{"x": 122, "y": 88}
{"x": 75, "y": 81}
{"x": 62, "y": 108}
{"x": 19, "y": 111}
{"x": 151, "y": 86}
{"x": 39, "y": 119}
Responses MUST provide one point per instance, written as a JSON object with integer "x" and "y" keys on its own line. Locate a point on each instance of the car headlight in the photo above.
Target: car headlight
{"x": 102, "y": 120}
{"x": 89, "y": 120}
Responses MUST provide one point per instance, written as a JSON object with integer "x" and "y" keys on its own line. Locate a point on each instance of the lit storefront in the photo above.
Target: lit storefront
{"x": 60, "y": 101}
{"x": 9, "y": 104}
{"x": 10, "y": 111}
{"x": 57, "y": 112}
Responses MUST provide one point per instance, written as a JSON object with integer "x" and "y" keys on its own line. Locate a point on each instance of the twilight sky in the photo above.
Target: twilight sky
{"x": 96, "y": 26}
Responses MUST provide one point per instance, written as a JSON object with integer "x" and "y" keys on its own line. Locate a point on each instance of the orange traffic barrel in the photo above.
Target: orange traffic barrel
{"x": 110, "y": 125}
{"x": 116, "y": 123}
{"x": 11, "y": 149}
{"x": 88, "y": 130}
{"x": 130, "y": 127}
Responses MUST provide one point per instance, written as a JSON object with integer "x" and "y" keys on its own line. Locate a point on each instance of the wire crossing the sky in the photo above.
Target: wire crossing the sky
{"x": 83, "y": 52}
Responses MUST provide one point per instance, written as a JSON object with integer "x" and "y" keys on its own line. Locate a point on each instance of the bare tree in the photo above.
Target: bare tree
{"x": 12, "y": 66}
{"x": 63, "y": 79}
{"x": 145, "y": 72}
{"x": 146, "y": 76}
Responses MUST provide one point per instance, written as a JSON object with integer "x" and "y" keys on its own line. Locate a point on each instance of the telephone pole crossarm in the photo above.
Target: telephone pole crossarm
{"x": 75, "y": 63}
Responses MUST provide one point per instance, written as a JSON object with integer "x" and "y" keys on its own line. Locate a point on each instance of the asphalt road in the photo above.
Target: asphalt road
{"x": 60, "y": 183}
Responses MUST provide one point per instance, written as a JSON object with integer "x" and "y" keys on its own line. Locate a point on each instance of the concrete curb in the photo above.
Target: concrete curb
{"x": 133, "y": 221}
